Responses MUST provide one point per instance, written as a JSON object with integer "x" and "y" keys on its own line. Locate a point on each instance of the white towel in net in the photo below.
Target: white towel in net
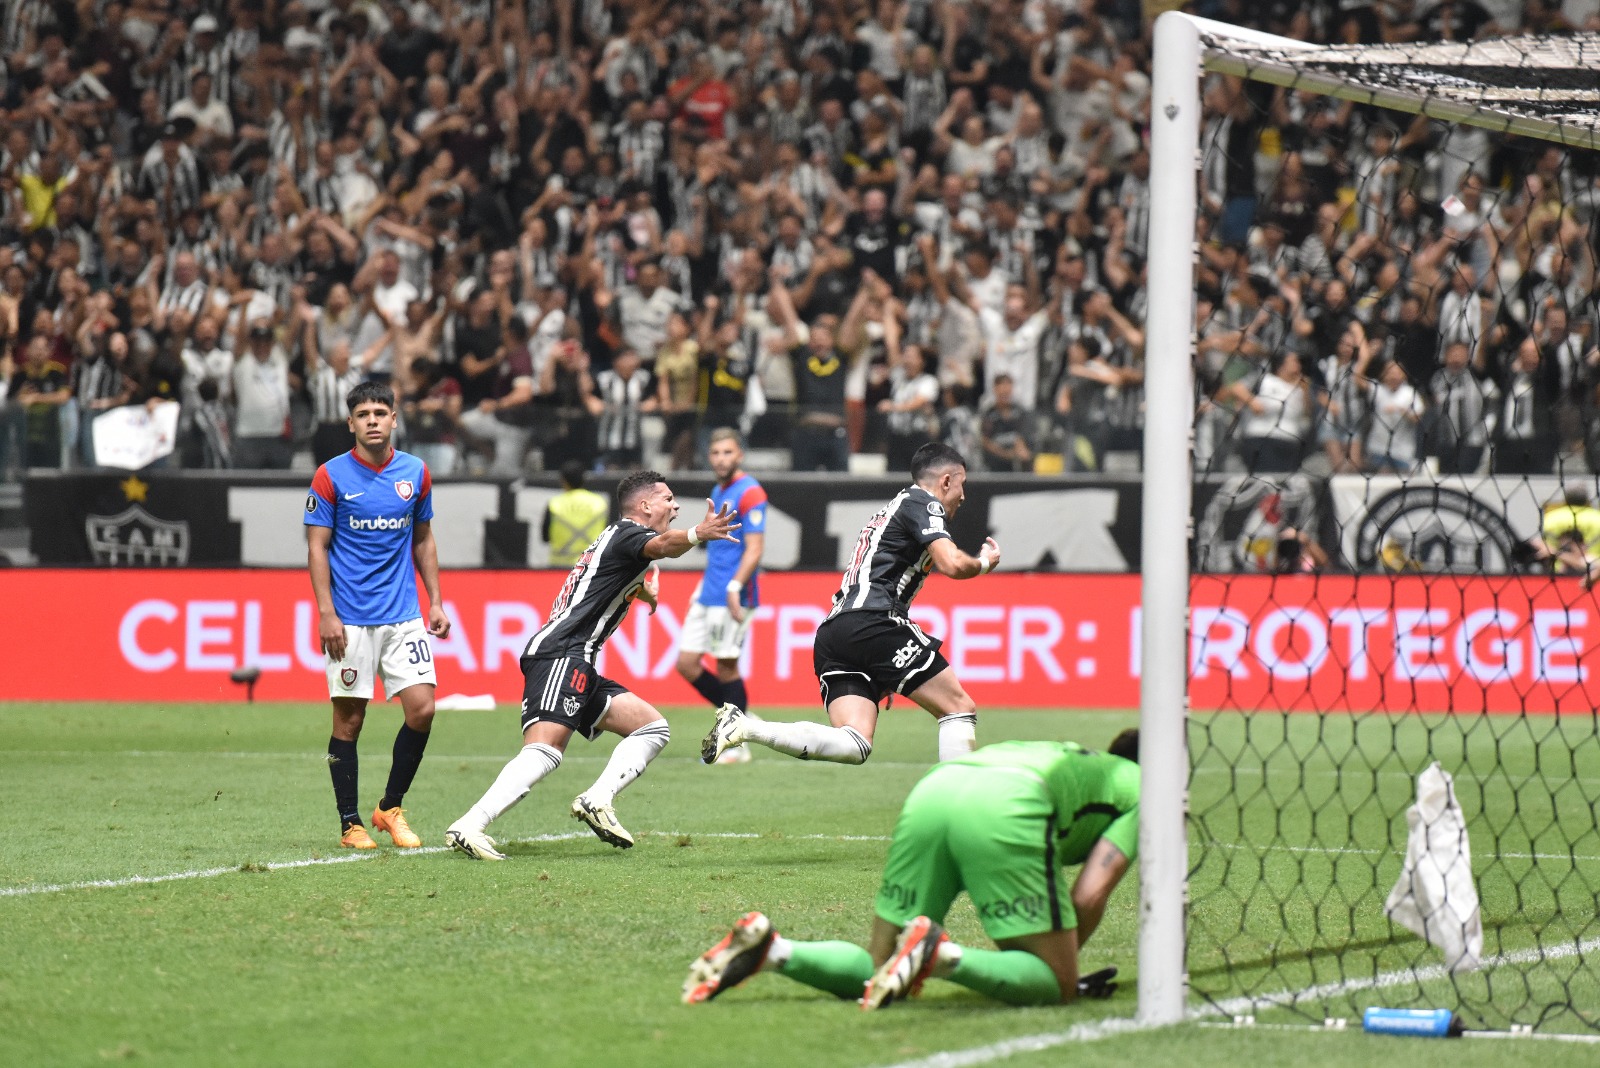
{"x": 1436, "y": 897}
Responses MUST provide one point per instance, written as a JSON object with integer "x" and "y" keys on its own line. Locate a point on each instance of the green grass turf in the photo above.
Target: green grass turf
{"x": 572, "y": 953}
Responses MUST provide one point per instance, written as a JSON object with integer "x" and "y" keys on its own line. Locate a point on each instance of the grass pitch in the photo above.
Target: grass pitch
{"x": 265, "y": 944}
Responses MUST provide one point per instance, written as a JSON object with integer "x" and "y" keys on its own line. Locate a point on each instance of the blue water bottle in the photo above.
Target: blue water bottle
{"x": 1426, "y": 1023}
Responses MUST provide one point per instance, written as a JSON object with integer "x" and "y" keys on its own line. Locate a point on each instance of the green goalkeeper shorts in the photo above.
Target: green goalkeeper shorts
{"x": 988, "y": 830}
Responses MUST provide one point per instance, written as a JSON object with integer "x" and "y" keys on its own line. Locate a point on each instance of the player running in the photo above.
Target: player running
{"x": 868, "y": 648}
{"x": 725, "y": 601}
{"x": 369, "y": 529}
{"x": 995, "y": 823}
{"x": 563, "y": 692}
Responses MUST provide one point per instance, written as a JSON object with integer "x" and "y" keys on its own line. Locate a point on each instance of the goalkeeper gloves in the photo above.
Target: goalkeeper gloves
{"x": 1100, "y": 985}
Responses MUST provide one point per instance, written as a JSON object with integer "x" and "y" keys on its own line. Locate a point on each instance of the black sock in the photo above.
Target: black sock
{"x": 343, "y": 766}
{"x": 710, "y": 688}
{"x": 408, "y": 749}
{"x": 734, "y": 692}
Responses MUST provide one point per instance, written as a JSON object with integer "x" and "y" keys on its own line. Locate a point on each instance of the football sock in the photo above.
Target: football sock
{"x": 734, "y": 693}
{"x": 809, "y": 741}
{"x": 343, "y": 766}
{"x": 709, "y": 687}
{"x": 533, "y": 763}
{"x": 408, "y": 749}
{"x": 628, "y": 761}
{"x": 1009, "y": 975}
{"x": 840, "y": 968}
{"x": 958, "y": 735}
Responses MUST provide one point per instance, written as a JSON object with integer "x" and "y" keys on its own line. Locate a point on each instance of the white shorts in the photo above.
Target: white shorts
{"x": 712, "y": 630}
{"x": 398, "y": 653}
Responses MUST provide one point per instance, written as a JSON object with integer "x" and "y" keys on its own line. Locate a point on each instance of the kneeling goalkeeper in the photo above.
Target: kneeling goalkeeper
{"x": 997, "y": 823}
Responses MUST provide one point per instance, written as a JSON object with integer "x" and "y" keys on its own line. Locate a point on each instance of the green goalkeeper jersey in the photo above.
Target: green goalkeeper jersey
{"x": 1095, "y": 795}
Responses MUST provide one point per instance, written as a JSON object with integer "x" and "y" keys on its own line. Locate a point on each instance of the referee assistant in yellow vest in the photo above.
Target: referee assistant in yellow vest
{"x": 573, "y": 519}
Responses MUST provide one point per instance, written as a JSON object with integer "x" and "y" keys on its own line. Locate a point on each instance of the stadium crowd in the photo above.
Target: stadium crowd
{"x": 574, "y": 229}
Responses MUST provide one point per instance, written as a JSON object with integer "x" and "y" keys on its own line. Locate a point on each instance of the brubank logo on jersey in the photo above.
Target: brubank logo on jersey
{"x": 400, "y": 522}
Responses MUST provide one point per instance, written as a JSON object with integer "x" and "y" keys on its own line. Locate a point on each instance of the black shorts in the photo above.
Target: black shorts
{"x": 873, "y": 655}
{"x": 568, "y": 691}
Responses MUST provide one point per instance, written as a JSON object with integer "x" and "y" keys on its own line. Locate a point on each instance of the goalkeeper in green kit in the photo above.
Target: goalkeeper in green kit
{"x": 997, "y": 823}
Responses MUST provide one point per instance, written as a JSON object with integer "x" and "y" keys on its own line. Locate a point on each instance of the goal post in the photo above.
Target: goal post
{"x": 1469, "y": 84}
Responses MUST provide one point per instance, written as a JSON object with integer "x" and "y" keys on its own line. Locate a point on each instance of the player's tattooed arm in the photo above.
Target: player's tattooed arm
{"x": 952, "y": 562}
{"x": 1101, "y": 873}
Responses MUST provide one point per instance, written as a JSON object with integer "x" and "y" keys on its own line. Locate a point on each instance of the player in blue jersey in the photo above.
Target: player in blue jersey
{"x": 369, "y": 525}
{"x": 725, "y": 602}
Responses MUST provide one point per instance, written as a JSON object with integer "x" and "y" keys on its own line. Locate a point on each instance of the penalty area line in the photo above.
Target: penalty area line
{"x": 1098, "y": 1030}
{"x": 351, "y": 858}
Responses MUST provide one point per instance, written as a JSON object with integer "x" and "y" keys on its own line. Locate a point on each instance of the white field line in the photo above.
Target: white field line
{"x": 350, "y": 858}
{"x": 1320, "y": 1029}
{"x": 1103, "y": 1029}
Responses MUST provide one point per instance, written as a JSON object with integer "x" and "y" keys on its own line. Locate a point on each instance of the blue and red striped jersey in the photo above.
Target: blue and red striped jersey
{"x": 373, "y": 511}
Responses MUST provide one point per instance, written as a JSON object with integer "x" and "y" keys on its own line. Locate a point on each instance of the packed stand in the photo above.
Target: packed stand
{"x": 596, "y": 232}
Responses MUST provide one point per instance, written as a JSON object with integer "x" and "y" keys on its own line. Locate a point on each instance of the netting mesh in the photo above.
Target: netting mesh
{"x": 1396, "y": 437}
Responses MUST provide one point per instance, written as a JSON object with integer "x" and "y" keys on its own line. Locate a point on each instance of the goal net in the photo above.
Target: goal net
{"x": 1392, "y": 389}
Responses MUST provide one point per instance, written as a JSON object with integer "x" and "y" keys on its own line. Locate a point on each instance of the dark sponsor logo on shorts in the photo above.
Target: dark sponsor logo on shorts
{"x": 903, "y": 896}
{"x": 1024, "y": 906}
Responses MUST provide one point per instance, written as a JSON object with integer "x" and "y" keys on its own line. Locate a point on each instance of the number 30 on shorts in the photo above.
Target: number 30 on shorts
{"x": 421, "y": 652}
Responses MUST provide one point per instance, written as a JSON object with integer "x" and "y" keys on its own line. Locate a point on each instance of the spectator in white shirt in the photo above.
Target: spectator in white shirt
{"x": 210, "y": 115}
{"x": 1396, "y": 411}
{"x": 261, "y": 386}
{"x": 1276, "y": 417}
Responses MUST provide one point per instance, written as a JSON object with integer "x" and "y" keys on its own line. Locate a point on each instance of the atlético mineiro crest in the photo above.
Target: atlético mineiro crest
{"x": 347, "y": 676}
{"x": 405, "y": 488}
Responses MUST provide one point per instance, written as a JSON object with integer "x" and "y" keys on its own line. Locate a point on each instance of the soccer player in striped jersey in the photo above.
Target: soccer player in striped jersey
{"x": 369, "y": 528}
{"x": 725, "y": 601}
{"x": 868, "y": 648}
{"x": 563, "y": 693}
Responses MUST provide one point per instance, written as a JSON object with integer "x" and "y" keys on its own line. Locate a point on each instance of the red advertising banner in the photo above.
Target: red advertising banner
{"x": 1433, "y": 643}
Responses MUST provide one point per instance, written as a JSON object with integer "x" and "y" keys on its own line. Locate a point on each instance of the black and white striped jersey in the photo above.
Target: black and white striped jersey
{"x": 595, "y": 596}
{"x": 891, "y": 558}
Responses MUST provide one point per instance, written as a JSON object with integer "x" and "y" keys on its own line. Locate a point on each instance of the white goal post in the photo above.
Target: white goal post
{"x": 1436, "y": 80}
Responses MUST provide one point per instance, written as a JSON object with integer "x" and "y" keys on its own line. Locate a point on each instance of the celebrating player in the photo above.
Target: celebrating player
{"x": 564, "y": 693}
{"x": 369, "y": 524}
{"x": 725, "y": 601}
{"x": 994, "y": 823}
{"x": 868, "y": 648}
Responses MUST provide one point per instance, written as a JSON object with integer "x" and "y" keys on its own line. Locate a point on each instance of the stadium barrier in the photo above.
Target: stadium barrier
{"x": 1423, "y": 643}
{"x": 225, "y": 519}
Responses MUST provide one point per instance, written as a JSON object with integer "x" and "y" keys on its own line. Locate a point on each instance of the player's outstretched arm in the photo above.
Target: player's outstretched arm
{"x": 1100, "y": 875}
{"x": 330, "y": 629}
{"x": 425, "y": 554}
{"x": 951, "y": 562}
{"x": 716, "y": 526}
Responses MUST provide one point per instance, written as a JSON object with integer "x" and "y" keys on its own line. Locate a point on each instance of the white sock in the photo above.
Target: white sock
{"x": 809, "y": 741}
{"x": 777, "y": 954}
{"x": 958, "y": 735}
{"x": 533, "y": 763}
{"x": 946, "y": 959}
{"x": 628, "y": 761}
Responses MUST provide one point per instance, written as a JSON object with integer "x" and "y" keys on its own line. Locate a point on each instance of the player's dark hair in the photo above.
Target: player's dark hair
{"x": 636, "y": 485}
{"x": 368, "y": 392}
{"x": 1126, "y": 745}
{"x": 572, "y": 474}
{"x": 932, "y": 457}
